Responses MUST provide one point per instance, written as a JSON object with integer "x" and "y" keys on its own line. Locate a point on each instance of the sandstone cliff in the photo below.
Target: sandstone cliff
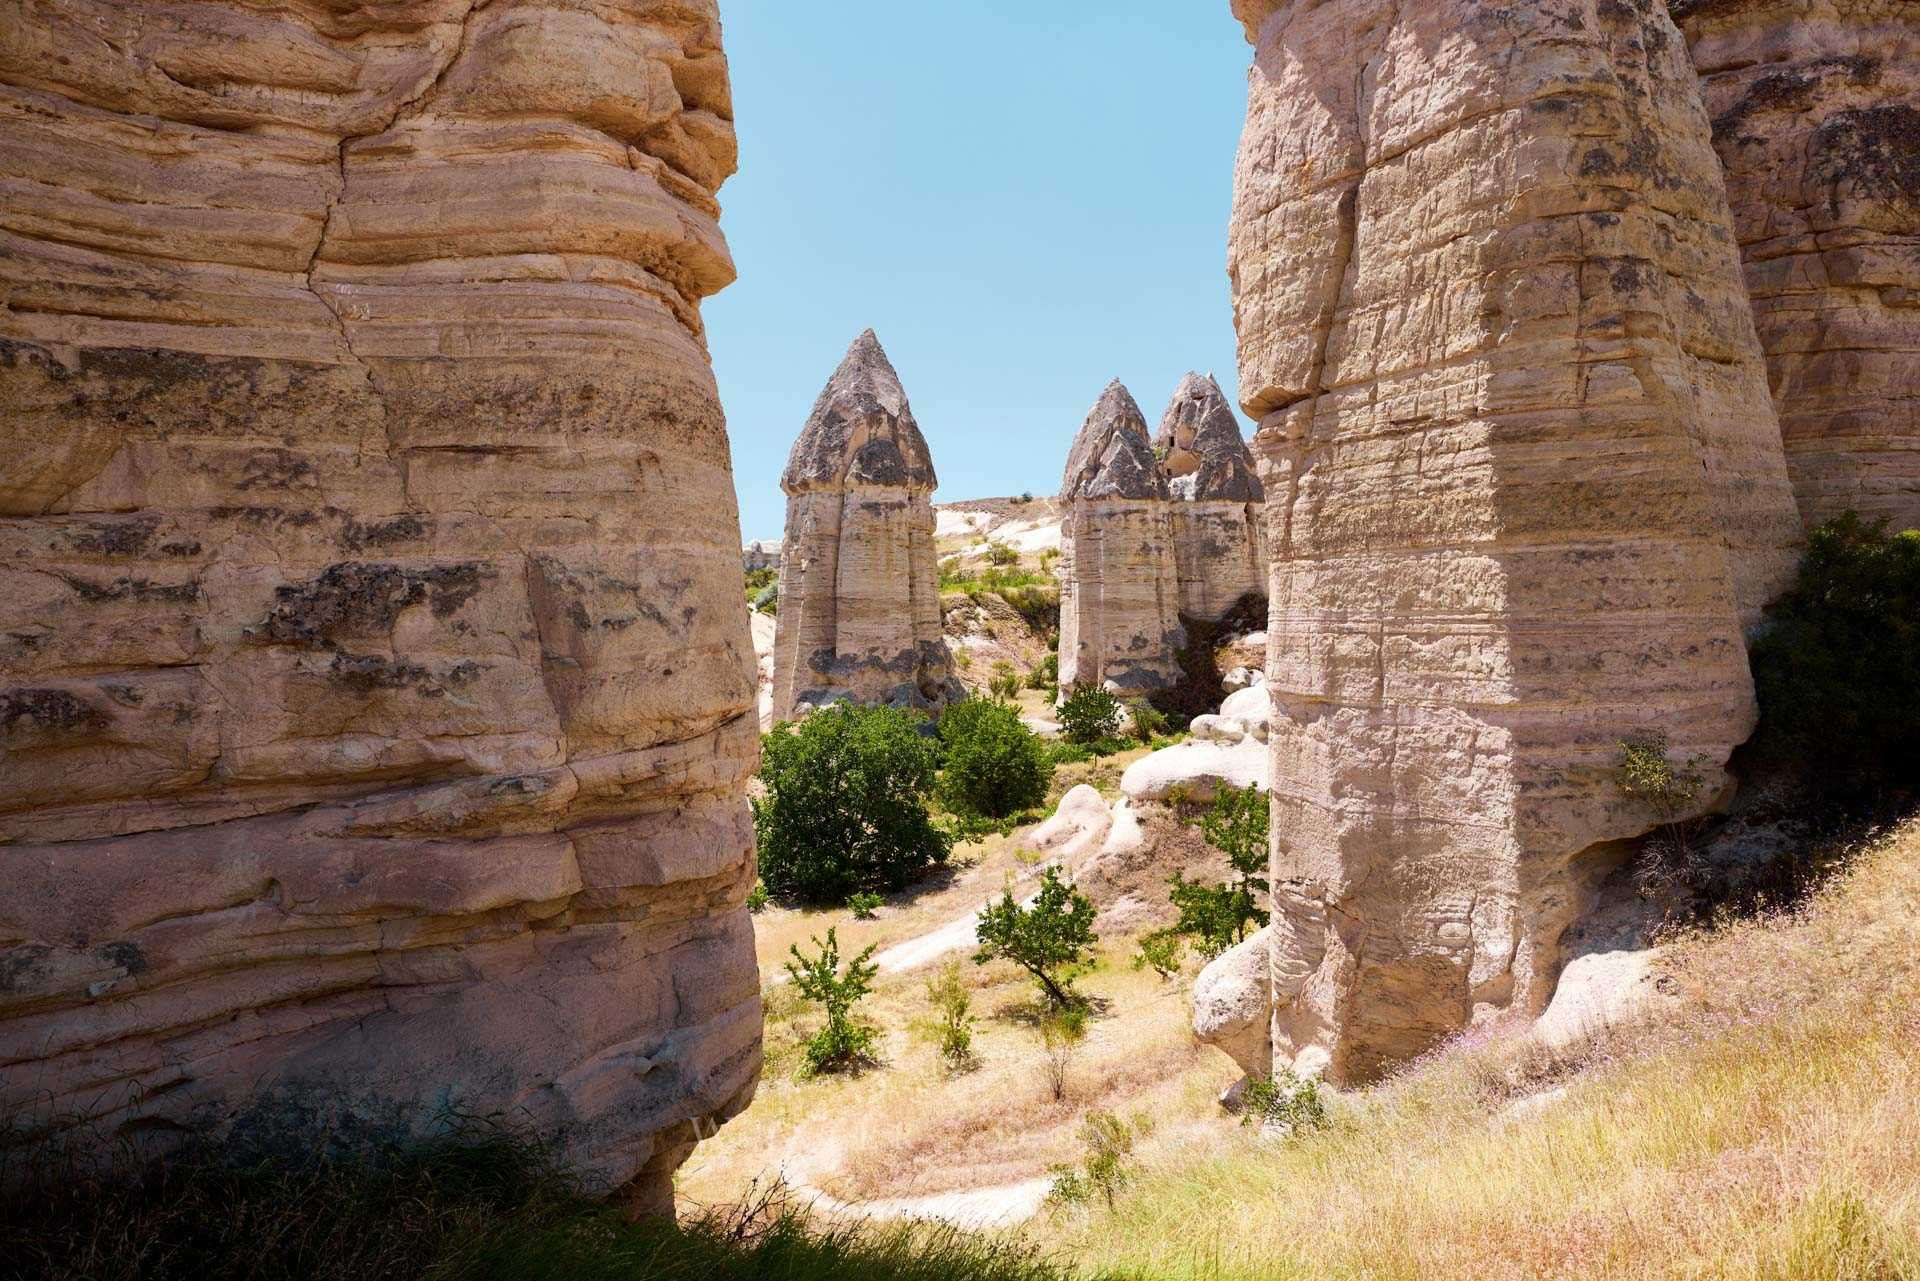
{"x": 1120, "y": 596}
{"x": 1218, "y": 541}
{"x": 1524, "y": 484}
{"x": 377, "y": 688}
{"x": 1816, "y": 116}
{"x": 859, "y": 586}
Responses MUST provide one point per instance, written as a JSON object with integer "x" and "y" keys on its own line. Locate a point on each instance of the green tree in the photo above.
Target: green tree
{"x": 994, "y": 765}
{"x": 1005, "y": 682}
{"x": 954, "y": 1004}
{"x": 843, "y": 1042}
{"x": 846, "y": 805}
{"x": 1049, "y": 938}
{"x": 1090, "y": 714}
{"x": 1217, "y": 916}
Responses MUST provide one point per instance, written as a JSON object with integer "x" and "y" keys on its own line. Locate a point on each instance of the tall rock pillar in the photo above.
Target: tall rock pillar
{"x": 378, "y": 700}
{"x": 859, "y": 582}
{"x": 1524, "y": 484}
{"x": 1120, "y": 599}
{"x": 1219, "y": 544}
{"x": 1816, "y": 116}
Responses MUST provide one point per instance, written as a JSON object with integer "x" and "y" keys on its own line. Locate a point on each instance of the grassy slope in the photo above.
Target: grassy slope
{"x": 1768, "y": 1129}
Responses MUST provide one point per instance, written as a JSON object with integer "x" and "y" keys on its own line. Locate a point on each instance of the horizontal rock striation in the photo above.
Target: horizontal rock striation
{"x": 1524, "y": 485}
{"x": 1120, "y": 599}
{"x": 1215, "y": 501}
{"x": 859, "y": 583}
{"x": 377, "y": 688}
{"x": 1816, "y": 117}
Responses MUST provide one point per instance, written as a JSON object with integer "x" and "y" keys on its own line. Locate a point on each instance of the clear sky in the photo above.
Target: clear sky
{"x": 1024, "y": 198}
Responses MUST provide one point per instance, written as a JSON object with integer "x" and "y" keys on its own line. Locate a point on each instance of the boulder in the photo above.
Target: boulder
{"x": 1197, "y": 769}
{"x": 378, "y": 693}
{"x": 1233, "y": 1004}
{"x": 1525, "y": 484}
{"x": 859, "y": 585}
{"x": 1077, "y": 827}
{"x": 1242, "y": 678}
{"x": 1816, "y": 118}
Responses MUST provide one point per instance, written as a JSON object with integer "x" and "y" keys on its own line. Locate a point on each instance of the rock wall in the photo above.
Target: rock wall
{"x": 1524, "y": 484}
{"x": 377, "y": 688}
{"x": 859, "y": 583}
{"x": 1120, "y": 594}
{"x": 1816, "y": 116}
{"x": 1218, "y": 534}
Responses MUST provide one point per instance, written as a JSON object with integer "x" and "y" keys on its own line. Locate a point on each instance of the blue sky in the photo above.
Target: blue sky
{"x": 1024, "y": 199}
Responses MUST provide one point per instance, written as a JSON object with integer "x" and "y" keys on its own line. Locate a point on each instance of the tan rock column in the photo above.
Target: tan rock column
{"x": 1216, "y": 501}
{"x": 1523, "y": 484}
{"x": 1120, "y": 594}
{"x": 859, "y": 581}
{"x": 377, "y": 689}
{"x": 1816, "y": 116}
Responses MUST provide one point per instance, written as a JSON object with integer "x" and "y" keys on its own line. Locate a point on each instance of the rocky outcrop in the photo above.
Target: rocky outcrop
{"x": 1816, "y": 116}
{"x": 1120, "y": 597}
{"x": 763, "y": 554}
{"x": 1218, "y": 543}
{"x": 1524, "y": 485}
{"x": 1233, "y": 1004}
{"x": 859, "y": 586}
{"x": 377, "y": 688}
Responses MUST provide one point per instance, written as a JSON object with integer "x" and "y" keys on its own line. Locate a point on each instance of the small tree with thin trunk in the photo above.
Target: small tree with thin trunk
{"x": 1048, "y": 938}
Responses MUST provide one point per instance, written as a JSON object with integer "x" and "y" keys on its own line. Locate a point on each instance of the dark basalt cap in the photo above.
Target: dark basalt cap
{"x": 1200, "y": 446}
{"x": 1111, "y": 457}
{"x": 861, "y": 430}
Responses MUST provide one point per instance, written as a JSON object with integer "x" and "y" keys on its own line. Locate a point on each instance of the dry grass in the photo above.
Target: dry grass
{"x": 1767, "y": 1131}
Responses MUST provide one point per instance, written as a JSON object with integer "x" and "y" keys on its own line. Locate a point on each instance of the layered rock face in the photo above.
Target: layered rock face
{"x": 859, "y": 582}
{"x": 1218, "y": 544}
{"x": 1524, "y": 485}
{"x": 1816, "y": 116}
{"x": 1120, "y": 595}
{"x": 377, "y": 689}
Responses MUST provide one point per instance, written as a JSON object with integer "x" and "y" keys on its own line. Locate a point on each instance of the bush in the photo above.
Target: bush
{"x": 1089, "y": 714}
{"x": 1160, "y": 951}
{"x": 1005, "y": 682}
{"x": 864, "y": 905}
{"x": 1049, "y": 939}
{"x": 1287, "y": 1100}
{"x": 1000, "y": 554}
{"x": 954, "y": 1004}
{"x": 842, "y": 1042}
{"x": 1046, "y": 673}
{"x": 767, "y": 599}
{"x": 995, "y": 766}
{"x": 1667, "y": 863}
{"x": 1216, "y": 916}
{"x": 1145, "y": 723}
{"x": 1837, "y": 668}
{"x": 1109, "y": 1143}
{"x": 757, "y": 897}
{"x": 1061, "y": 1034}
{"x": 846, "y": 805}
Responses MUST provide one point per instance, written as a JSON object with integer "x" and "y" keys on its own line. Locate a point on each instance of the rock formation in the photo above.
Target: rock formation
{"x": 1524, "y": 485}
{"x": 378, "y": 695}
{"x": 859, "y": 584}
{"x": 1120, "y": 597}
{"x": 1816, "y": 116}
{"x": 1218, "y": 543}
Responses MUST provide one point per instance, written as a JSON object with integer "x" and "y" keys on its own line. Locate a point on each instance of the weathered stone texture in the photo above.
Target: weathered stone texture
{"x": 1524, "y": 484}
{"x": 1215, "y": 501}
{"x": 859, "y": 582}
{"x": 1120, "y": 594}
{"x": 377, "y": 688}
{"x": 1816, "y": 116}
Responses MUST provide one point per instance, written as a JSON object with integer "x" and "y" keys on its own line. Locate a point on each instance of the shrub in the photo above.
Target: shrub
{"x": 1005, "y": 682}
{"x": 1285, "y": 1100}
{"x": 758, "y": 580}
{"x": 864, "y": 905}
{"x": 1837, "y": 669}
{"x": 1216, "y": 916}
{"x": 1089, "y": 714}
{"x": 1103, "y": 1172}
{"x": 954, "y": 1004}
{"x": 846, "y": 805}
{"x": 1062, "y": 1032}
{"x": 1001, "y": 554}
{"x": 757, "y": 896}
{"x": 1160, "y": 950}
{"x": 767, "y": 599}
{"x": 995, "y": 766}
{"x": 1667, "y": 863}
{"x": 1049, "y": 939}
{"x": 1144, "y": 722}
{"x": 1046, "y": 673}
{"x": 842, "y": 1042}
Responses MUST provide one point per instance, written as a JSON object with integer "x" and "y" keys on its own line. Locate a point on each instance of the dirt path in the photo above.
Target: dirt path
{"x": 978, "y": 1208}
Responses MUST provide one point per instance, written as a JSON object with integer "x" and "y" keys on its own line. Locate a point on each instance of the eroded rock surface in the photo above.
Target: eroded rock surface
{"x": 859, "y": 583}
{"x": 1816, "y": 116}
{"x": 1524, "y": 485}
{"x": 1120, "y": 594}
{"x": 378, "y": 696}
{"x": 1215, "y": 500}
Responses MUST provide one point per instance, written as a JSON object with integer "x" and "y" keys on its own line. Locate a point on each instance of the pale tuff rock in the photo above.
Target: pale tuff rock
{"x": 1119, "y": 601}
{"x": 762, "y": 554}
{"x": 377, "y": 689}
{"x": 1524, "y": 485}
{"x": 1233, "y": 1004}
{"x": 1077, "y": 827}
{"x": 1224, "y": 750}
{"x": 859, "y": 585}
{"x": 1816, "y": 116}
{"x": 1218, "y": 540}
